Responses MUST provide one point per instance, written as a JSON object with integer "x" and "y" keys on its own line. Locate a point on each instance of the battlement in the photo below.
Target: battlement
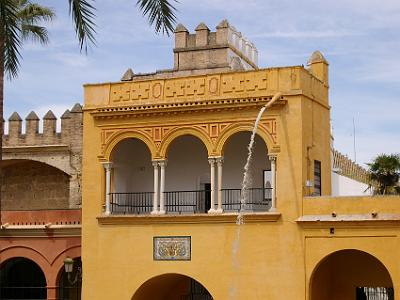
{"x": 224, "y": 48}
{"x": 70, "y": 133}
{"x": 346, "y": 167}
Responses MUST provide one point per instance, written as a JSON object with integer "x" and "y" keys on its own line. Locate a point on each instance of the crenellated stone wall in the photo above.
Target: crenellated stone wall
{"x": 346, "y": 167}
{"x": 62, "y": 151}
{"x": 224, "y": 48}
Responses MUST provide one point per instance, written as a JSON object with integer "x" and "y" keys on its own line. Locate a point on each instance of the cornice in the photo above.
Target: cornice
{"x": 349, "y": 221}
{"x": 36, "y": 148}
{"x": 224, "y": 218}
{"x": 182, "y": 107}
{"x": 40, "y": 231}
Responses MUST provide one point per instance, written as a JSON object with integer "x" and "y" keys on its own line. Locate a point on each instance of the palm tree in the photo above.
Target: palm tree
{"x": 385, "y": 174}
{"x": 20, "y": 19}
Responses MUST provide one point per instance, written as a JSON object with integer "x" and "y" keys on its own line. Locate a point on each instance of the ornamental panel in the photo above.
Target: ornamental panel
{"x": 172, "y": 248}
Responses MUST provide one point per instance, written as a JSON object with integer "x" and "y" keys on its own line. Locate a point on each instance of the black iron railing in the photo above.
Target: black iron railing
{"x": 191, "y": 202}
{"x": 13, "y": 292}
{"x": 131, "y": 203}
{"x": 374, "y": 293}
{"x": 187, "y": 202}
{"x": 256, "y": 199}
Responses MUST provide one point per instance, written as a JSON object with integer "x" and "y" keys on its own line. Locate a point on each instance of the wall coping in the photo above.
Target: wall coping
{"x": 224, "y": 218}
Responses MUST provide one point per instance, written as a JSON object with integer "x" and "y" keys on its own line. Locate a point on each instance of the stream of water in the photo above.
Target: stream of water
{"x": 246, "y": 174}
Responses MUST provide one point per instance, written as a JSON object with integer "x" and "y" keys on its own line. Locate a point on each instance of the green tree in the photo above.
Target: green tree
{"x": 385, "y": 174}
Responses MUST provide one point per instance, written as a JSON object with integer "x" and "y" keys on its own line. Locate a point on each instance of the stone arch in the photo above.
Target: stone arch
{"x": 28, "y": 253}
{"x": 156, "y": 287}
{"x": 74, "y": 251}
{"x": 30, "y": 184}
{"x": 239, "y": 127}
{"x": 22, "y": 276}
{"x": 9, "y": 161}
{"x": 118, "y": 137}
{"x": 175, "y": 133}
{"x": 339, "y": 273}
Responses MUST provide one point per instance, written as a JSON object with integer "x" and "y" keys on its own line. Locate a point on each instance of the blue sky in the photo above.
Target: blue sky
{"x": 359, "y": 38}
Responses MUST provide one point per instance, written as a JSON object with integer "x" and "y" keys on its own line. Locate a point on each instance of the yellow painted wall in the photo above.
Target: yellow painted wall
{"x": 271, "y": 256}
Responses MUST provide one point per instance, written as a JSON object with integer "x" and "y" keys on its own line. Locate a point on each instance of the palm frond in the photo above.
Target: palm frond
{"x": 82, "y": 12}
{"x": 33, "y": 13}
{"x": 160, "y": 13}
{"x": 10, "y": 37}
{"x": 35, "y": 33}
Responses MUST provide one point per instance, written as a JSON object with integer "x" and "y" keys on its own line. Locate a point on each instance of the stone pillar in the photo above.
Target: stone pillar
{"x": 155, "y": 195}
{"x": 108, "y": 166}
{"x": 219, "y": 164}
{"x": 52, "y": 292}
{"x": 272, "y": 158}
{"x": 163, "y": 164}
{"x": 211, "y": 160}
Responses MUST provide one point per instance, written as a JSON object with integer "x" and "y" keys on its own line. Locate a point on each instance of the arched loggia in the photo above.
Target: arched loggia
{"x": 187, "y": 180}
{"x": 132, "y": 178}
{"x": 258, "y": 192}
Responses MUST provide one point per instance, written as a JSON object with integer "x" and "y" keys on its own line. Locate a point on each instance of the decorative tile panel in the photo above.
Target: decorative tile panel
{"x": 172, "y": 248}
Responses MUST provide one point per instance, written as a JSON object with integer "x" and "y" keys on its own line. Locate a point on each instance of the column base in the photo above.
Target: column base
{"x": 272, "y": 209}
{"x": 212, "y": 211}
{"x": 154, "y": 212}
{"x": 107, "y": 213}
{"x": 162, "y": 212}
{"x": 219, "y": 211}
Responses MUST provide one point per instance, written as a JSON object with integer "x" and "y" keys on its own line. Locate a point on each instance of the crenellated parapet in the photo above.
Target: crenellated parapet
{"x": 70, "y": 133}
{"x": 346, "y": 167}
{"x": 224, "y": 48}
{"x": 59, "y": 149}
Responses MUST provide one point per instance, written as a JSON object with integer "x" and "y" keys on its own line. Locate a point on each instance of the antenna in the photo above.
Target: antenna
{"x": 354, "y": 140}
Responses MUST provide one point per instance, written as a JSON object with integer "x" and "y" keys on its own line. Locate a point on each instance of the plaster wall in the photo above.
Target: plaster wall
{"x": 344, "y": 186}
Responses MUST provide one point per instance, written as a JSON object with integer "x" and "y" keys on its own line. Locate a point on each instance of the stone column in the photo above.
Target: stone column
{"x": 108, "y": 166}
{"x": 155, "y": 194}
{"x": 219, "y": 164}
{"x": 163, "y": 164}
{"x": 211, "y": 160}
{"x": 272, "y": 158}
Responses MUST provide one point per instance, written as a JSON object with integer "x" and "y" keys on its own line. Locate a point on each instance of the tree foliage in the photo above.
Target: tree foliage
{"x": 385, "y": 174}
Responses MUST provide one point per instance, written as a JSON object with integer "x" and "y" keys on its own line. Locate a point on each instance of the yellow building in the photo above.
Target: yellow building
{"x": 163, "y": 161}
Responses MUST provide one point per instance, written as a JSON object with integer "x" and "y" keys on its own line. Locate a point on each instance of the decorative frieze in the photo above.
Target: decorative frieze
{"x": 190, "y": 88}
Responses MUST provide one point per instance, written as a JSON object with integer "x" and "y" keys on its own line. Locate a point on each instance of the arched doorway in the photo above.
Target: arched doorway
{"x": 22, "y": 278}
{"x": 172, "y": 287}
{"x": 187, "y": 180}
{"x": 132, "y": 178}
{"x": 70, "y": 286}
{"x": 235, "y": 155}
{"x": 351, "y": 274}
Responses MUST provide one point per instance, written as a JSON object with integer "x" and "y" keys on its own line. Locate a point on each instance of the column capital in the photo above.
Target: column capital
{"x": 163, "y": 162}
{"x": 107, "y": 165}
{"x": 219, "y": 160}
{"x": 155, "y": 163}
{"x": 212, "y": 160}
{"x": 272, "y": 157}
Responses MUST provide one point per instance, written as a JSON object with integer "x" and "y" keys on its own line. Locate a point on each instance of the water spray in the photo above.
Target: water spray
{"x": 246, "y": 176}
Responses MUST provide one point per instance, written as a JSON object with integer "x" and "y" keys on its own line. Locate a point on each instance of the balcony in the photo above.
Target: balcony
{"x": 187, "y": 179}
{"x": 191, "y": 202}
